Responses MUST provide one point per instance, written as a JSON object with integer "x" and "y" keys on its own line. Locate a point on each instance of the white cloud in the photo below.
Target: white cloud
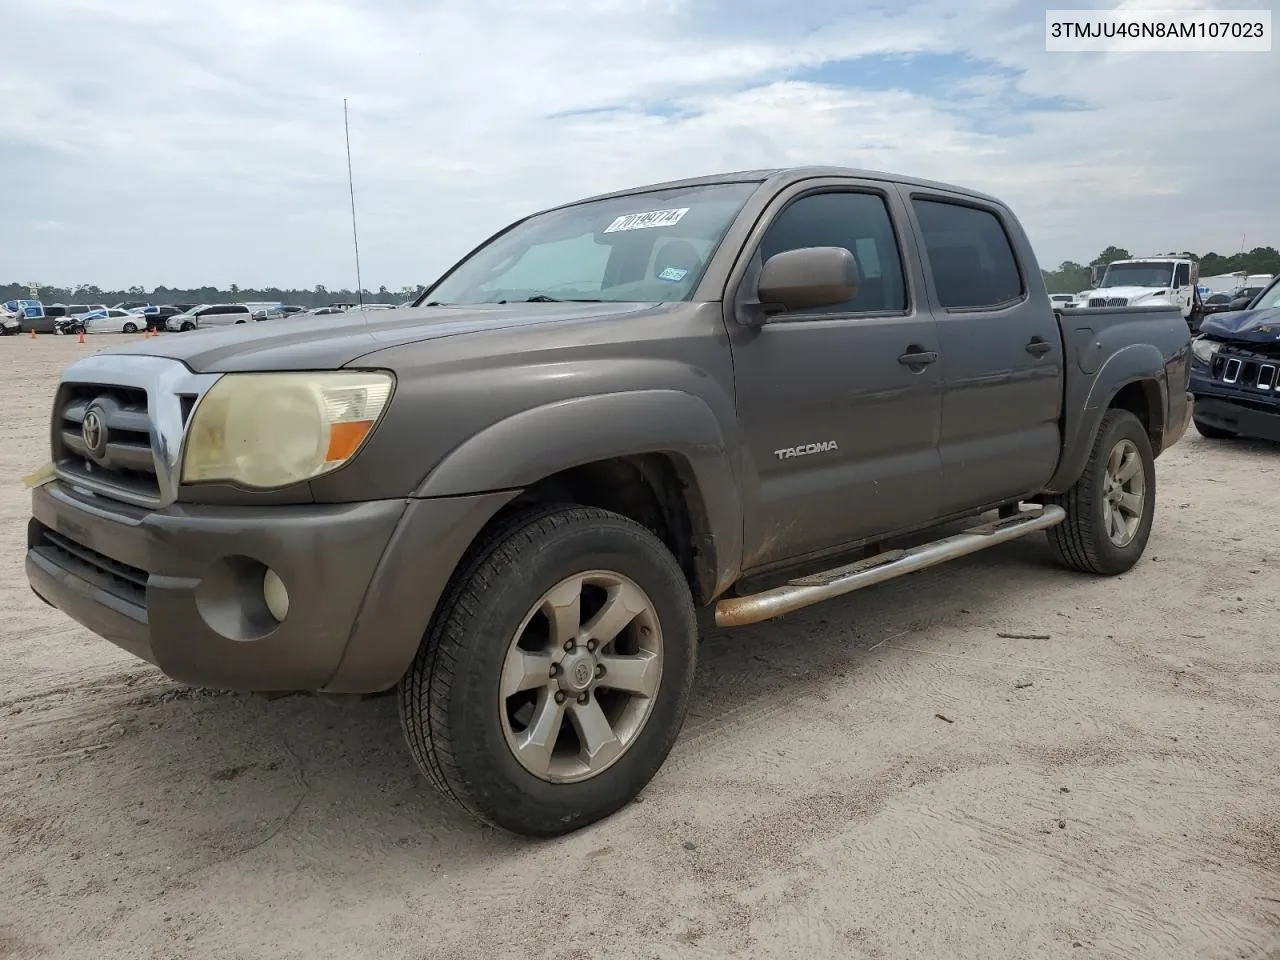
{"x": 202, "y": 142}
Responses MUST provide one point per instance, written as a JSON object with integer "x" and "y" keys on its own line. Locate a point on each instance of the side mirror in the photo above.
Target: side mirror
{"x": 807, "y": 278}
{"x": 1240, "y": 303}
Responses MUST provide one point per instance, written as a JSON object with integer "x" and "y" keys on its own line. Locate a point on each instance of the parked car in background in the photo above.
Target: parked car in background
{"x": 156, "y": 316}
{"x": 258, "y": 306}
{"x": 1216, "y": 303}
{"x": 1235, "y": 371}
{"x": 184, "y": 307}
{"x": 210, "y": 315}
{"x": 132, "y": 305}
{"x": 113, "y": 320}
{"x": 10, "y": 324}
{"x": 46, "y": 321}
{"x": 370, "y": 308}
{"x": 79, "y": 309}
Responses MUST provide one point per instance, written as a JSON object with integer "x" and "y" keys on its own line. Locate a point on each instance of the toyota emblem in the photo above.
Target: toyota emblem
{"x": 94, "y": 433}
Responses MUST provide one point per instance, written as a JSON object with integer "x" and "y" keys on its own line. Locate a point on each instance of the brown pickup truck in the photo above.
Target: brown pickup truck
{"x": 507, "y": 502}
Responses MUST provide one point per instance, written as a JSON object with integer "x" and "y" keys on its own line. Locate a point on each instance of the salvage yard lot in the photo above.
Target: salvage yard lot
{"x": 913, "y": 771}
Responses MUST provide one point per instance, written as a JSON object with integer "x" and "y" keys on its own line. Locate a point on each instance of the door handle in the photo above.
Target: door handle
{"x": 915, "y": 357}
{"x": 1038, "y": 347}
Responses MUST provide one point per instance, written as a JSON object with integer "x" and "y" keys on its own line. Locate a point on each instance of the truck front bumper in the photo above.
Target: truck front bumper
{"x": 182, "y": 587}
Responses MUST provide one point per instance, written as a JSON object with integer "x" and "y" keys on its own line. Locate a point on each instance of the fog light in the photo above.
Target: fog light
{"x": 275, "y": 594}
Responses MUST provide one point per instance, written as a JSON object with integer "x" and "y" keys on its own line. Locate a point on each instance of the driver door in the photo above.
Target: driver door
{"x": 840, "y": 429}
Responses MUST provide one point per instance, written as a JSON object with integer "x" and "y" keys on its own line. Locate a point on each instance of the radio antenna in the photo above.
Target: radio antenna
{"x": 351, "y": 186}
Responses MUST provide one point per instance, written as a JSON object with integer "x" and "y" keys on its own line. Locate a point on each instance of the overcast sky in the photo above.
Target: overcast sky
{"x": 184, "y": 142}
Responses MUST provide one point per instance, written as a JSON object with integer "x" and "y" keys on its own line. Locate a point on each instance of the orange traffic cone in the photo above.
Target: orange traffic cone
{"x": 82, "y": 336}
{"x": 33, "y": 333}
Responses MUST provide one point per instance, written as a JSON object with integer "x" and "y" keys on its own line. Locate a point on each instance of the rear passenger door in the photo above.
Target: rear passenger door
{"x": 1001, "y": 351}
{"x": 840, "y": 430}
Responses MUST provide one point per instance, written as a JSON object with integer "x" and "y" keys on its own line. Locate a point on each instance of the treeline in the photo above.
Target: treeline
{"x": 1071, "y": 277}
{"x": 318, "y": 296}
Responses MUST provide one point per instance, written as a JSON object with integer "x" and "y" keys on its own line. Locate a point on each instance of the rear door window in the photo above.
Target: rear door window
{"x": 970, "y": 256}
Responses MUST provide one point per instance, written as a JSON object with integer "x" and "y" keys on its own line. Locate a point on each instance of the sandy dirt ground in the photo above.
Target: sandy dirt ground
{"x": 1110, "y": 791}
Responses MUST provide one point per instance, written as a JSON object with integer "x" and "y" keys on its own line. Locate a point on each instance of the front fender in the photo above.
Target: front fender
{"x": 533, "y": 444}
{"x": 1135, "y": 363}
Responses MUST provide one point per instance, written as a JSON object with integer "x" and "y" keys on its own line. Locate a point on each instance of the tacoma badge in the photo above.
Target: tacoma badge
{"x": 827, "y": 446}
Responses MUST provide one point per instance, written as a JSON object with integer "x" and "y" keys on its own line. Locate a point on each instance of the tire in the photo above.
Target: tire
{"x": 239, "y": 321}
{"x": 188, "y": 325}
{"x": 1085, "y": 541}
{"x": 130, "y": 328}
{"x": 464, "y": 734}
{"x": 1212, "y": 433}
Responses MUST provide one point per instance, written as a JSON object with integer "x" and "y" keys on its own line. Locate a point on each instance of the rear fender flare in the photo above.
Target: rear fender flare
{"x": 529, "y": 446}
{"x": 1136, "y": 363}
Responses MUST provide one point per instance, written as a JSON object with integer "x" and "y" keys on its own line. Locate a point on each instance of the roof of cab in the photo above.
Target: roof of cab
{"x": 784, "y": 176}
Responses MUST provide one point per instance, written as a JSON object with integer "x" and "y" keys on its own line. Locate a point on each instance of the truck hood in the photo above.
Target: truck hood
{"x": 1248, "y": 326}
{"x": 1130, "y": 293}
{"x": 333, "y": 341}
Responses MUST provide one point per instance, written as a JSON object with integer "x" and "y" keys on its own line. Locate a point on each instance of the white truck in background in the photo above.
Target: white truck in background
{"x": 1146, "y": 281}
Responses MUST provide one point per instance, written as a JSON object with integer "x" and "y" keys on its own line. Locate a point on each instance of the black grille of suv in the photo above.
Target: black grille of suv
{"x": 102, "y": 437}
{"x": 1247, "y": 369}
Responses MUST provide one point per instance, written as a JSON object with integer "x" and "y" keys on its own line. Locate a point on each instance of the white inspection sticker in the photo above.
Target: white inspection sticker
{"x": 641, "y": 221}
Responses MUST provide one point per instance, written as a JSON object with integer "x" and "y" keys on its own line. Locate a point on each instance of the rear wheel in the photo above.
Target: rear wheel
{"x": 1211, "y": 432}
{"x": 1111, "y": 506}
{"x": 556, "y": 674}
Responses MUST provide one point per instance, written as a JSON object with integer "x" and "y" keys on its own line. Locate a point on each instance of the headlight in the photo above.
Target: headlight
{"x": 267, "y": 430}
{"x": 1205, "y": 349}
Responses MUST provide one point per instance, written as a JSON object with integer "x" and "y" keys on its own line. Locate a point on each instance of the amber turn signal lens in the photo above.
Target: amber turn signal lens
{"x": 345, "y": 439}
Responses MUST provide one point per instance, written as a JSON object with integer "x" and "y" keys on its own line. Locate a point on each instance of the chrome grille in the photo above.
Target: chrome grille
{"x": 1108, "y": 301}
{"x": 118, "y": 425}
{"x": 103, "y": 436}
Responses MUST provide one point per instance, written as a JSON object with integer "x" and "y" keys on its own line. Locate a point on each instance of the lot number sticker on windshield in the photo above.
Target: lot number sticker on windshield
{"x": 642, "y": 221}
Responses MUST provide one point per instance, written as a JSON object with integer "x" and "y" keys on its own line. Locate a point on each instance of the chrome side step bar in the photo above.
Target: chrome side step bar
{"x": 800, "y": 593}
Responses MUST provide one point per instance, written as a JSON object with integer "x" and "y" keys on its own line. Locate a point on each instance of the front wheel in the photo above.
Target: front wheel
{"x": 188, "y": 325}
{"x": 556, "y": 674}
{"x": 131, "y": 327}
{"x": 1110, "y": 508}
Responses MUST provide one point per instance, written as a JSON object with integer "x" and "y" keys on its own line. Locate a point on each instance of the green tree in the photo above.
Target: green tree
{"x": 1111, "y": 255}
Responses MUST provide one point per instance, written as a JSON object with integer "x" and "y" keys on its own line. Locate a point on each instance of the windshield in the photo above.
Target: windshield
{"x": 1138, "y": 275}
{"x": 1269, "y": 300}
{"x": 641, "y": 247}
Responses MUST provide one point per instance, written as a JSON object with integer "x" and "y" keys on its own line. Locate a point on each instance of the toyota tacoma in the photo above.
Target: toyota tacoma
{"x": 507, "y": 502}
